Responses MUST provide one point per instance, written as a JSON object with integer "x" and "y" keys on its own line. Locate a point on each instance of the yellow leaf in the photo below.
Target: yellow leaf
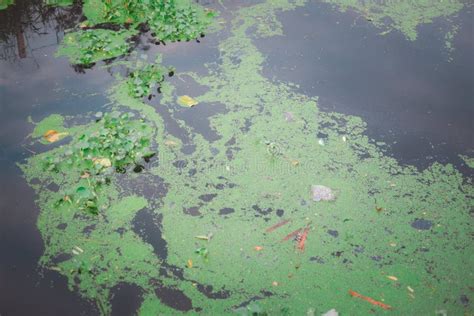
{"x": 53, "y": 136}
{"x": 393, "y": 278}
{"x": 190, "y": 263}
{"x": 170, "y": 143}
{"x": 295, "y": 162}
{"x": 105, "y": 162}
{"x": 187, "y": 101}
{"x": 410, "y": 289}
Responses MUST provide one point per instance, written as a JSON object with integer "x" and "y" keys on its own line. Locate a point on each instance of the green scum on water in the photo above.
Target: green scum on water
{"x": 411, "y": 255}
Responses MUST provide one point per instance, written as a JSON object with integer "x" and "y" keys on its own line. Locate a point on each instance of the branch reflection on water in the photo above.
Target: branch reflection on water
{"x": 26, "y": 19}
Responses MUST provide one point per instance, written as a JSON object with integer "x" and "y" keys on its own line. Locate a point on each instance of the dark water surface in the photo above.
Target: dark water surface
{"x": 408, "y": 93}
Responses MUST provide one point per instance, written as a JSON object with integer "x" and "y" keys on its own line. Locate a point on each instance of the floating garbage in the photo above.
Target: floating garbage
{"x": 289, "y": 117}
{"x": 331, "y": 312}
{"x": 322, "y": 193}
{"x": 393, "y": 278}
{"x": 204, "y": 237}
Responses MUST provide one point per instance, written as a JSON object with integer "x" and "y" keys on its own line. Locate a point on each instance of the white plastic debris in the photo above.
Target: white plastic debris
{"x": 331, "y": 312}
{"x": 322, "y": 193}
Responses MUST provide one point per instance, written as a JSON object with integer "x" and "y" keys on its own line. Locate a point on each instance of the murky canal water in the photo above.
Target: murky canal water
{"x": 245, "y": 158}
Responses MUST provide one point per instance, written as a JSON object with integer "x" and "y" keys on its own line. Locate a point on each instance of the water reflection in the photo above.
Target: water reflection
{"x": 25, "y": 19}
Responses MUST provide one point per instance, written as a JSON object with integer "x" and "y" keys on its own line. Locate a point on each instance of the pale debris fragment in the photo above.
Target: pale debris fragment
{"x": 322, "y": 193}
{"x": 331, "y": 312}
{"x": 289, "y": 117}
{"x": 170, "y": 143}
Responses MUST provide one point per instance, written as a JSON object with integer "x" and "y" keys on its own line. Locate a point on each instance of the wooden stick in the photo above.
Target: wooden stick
{"x": 370, "y": 300}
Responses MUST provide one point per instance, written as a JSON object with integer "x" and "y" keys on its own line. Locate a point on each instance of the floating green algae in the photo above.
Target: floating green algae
{"x": 387, "y": 219}
{"x": 468, "y": 160}
{"x": 404, "y": 15}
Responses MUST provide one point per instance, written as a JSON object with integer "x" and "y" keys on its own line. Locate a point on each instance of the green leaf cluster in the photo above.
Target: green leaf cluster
{"x": 116, "y": 143}
{"x": 169, "y": 20}
{"x": 5, "y": 3}
{"x": 141, "y": 81}
{"x": 172, "y": 22}
{"x": 86, "y": 47}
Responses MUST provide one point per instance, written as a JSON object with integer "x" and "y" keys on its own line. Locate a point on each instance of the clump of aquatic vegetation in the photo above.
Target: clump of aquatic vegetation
{"x": 59, "y": 3}
{"x": 169, "y": 20}
{"x": 86, "y": 47}
{"x": 114, "y": 143}
{"x": 141, "y": 81}
{"x": 5, "y": 3}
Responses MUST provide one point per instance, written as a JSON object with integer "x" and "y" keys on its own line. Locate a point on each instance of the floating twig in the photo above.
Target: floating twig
{"x": 291, "y": 235}
{"x": 278, "y": 225}
{"x": 370, "y": 300}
